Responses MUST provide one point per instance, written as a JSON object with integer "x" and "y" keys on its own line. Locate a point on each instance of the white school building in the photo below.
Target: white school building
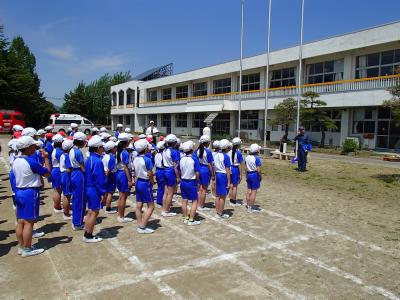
{"x": 351, "y": 72}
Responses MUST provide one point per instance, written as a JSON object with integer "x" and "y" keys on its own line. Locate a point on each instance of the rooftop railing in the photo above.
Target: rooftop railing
{"x": 382, "y": 82}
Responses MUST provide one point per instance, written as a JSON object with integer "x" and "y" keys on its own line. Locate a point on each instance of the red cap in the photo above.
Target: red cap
{"x": 149, "y": 139}
{"x": 161, "y": 138}
{"x": 17, "y": 134}
{"x": 62, "y": 132}
{"x": 49, "y": 135}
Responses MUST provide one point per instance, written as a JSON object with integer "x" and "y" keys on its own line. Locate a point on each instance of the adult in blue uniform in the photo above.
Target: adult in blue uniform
{"x": 303, "y": 144}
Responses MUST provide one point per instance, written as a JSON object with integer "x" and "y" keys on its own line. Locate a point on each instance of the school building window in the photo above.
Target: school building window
{"x": 166, "y": 120}
{"x": 121, "y": 119}
{"x": 181, "y": 120}
{"x": 336, "y": 117}
{"x": 130, "y": 96}
{"x": 250, "y": 82}
{"x": 326, "y": 71}
{"x": 222, "y": 86}
{"x": 114, "y": 99}
{"x": 153, "y": 95}
{"x": 200, "y": 89}
{"x": 378, "y": 64}
{"x": 166, "y": 94}
{"x": 282, "y": 78}
{"x": 121, "y": 98}
{"x": 249, "y": 120}
{"x": 152, "y": 117}
{"x": 198, "y": 119}
{"x": 181, "y": 91}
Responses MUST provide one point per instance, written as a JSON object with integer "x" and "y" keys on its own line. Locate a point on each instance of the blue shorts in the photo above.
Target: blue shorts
{"x": 110, "y": 184}
{"x": 205, "y": 176}
{"x": 143, "y": 191}
{"x": 221, "y": 182}
{"x": 66, "y": 183}
{"x": 93, "y": 197}
{"x": 253, "y": 181}
{"x": 170, "y": 177}
{"x": 122, "y": 181}
{"x": 12, "y": 181}
{"x": 56, "y": 178}
{"x": 189, "y": 189}
{"x": 235, "y": 175}
{"x": 28, "y": 203}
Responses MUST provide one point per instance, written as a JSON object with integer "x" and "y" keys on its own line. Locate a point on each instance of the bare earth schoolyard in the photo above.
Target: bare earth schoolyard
{"x": 333, "y": 232}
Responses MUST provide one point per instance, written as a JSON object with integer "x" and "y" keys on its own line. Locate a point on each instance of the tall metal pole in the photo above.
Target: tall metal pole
{"x": 267, "y": 73}
{"x": 241, "y": 69}
{"x": 299, "y": 83}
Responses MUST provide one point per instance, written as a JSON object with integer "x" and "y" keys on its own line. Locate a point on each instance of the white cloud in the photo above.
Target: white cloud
{"x": 102, "y": 63}
{"x": 63, "y": 52}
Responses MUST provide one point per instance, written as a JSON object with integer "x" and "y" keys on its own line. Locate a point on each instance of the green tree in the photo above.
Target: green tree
{"x": 3, "y": 65}
{"x": 394, "y": 103}
{"x": 313, "y": 113}
{"x": 285, "y": 114}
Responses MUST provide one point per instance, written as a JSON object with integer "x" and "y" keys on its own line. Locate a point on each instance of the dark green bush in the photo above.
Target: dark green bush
{"x": 349, "y": 145}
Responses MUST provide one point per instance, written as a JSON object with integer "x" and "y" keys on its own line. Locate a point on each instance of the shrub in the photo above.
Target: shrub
{"x": 350, "y": 145}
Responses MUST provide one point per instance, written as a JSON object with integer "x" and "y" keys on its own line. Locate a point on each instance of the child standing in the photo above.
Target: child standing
{"x": 158, "y": 161}
{"x": 66, "y": 170}
{"x": 253, "y": 177}
{"x": 144, "y": 186}
{"x": 95, "y": 187}
{"x": 206, "y": 160}
{"x": 189, "y": 170}
{"x": 222, "y": 164}
{"x": 110, "y": 168}
{"x": 215, "y": 146}
{"x": 55, "y": 172}
{"x": 236, "y": 170}
{"x": 27, "y": 173}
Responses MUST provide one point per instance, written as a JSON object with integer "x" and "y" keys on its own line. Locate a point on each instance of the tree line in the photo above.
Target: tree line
{"x": 19, "y": 82}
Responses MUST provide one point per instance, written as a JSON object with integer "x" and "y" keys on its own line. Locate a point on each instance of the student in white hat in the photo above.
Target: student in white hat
{"x": 236, "y": 170}
{"x": 56, "y": 173}
{"x": 75, "y": 129}
{"x": 222, "y": 165}
{"x": 215, "y": 146}
{"x": 127, "y": 130}
{"x": 123, "y": 177}
{"x": 103, "y": 130}
{"x": 66, "y": 170}
{"x": 95, "y": 179}
{"x": 27, "y": 173}
{"x": 189, "y": 171}
{"x": 41, "y": 134}
{"x": 110, "y": 167}
{"x": 94, "y": 131}
{"x": 17, "y": 127}
{"x": 119, "y": 130}
{"x": 160, "y": 174}
{"x": 144, "y": 186}
{"x": 48, "y": 129}
{"x": 78, "y": 180}
{"x": 29, "y": 131}
{"x": 206, "y": 160}
{"x": 253, "y": 177}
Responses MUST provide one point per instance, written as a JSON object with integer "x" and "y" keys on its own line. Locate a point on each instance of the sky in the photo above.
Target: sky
{"x": 78, "y": 40}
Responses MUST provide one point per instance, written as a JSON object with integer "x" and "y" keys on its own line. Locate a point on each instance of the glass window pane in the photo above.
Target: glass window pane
{"x": 369, "y": 126}
{"x": 394, "y": 142}
{"x": 319, "y": 68}
{"x": 328, "y": 66}
{"x": 373, "y": 59}
{"x": 382, "y": 142}
{"x": 373, "y": 72}
{"x": 329, "y": 77}
{"x": 388, "y": 70}
{"x": 358, "y": 127}
{"x": 397, "y": 55}
{"x": 387, "y": 57}
{"x": 394, "y": 129}
{"x": 383, "y": 113}
{"x": 383, "y": 127}
{"x": 368, "y": 113}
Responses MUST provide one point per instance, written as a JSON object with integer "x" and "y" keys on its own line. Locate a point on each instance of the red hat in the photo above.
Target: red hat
{"x": 161, "y": 138}
{"x": 49, "y": 136}
{"x": 149, "y": 139}
{"x": 62, "y": 132}
{"x": 17, "y": 134}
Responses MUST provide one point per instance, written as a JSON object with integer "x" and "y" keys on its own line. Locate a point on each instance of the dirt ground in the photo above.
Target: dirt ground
{"x": 333, "y": 232}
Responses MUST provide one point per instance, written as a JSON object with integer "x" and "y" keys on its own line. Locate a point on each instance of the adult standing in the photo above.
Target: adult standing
{"x": 152, "y": 130}
{"x": 119, "y": 129}
{"x": 75, "y": 129}
{"x": 302, "y": 149}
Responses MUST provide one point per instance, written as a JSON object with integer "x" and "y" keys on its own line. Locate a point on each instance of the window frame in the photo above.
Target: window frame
{"x": 222, "y": 88}
{"x": 181, "y": 93}
{"x": 181, "y": 120}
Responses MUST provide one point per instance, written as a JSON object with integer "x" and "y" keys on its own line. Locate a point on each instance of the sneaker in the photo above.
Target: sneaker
{"x": 31, "y": 251}
{"x": 112, "y": 211}
{"x": 94, "y": 239}
{"x": 76, "y": 228}
{"x": 146, "y": 230}
{"x": 222, "y": 217}
{"x": 194, "y": 222}
{"x": 234, "y": 203}
{"x": 159, "y": 206}
{"x": 185, "y": 221}
{"x": 124, "y": 220}
{"x": 20, "y": 250}
{"x": 66, "y": 217}
{"x": 58, "y": 211}
{"x": 205, "y": 208}
{"x": 168, "y": 214}
{"x": 14, "y": 207}
{"x": 37, "y": 234}
{"x": 253, "y": 210}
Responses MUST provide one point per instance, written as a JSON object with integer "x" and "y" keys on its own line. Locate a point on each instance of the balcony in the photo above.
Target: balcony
{"x": 383, "y": 82}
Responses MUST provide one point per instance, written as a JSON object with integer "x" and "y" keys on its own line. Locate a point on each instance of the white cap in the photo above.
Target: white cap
{"x": 236, "y": 141}
{"x": 187, "y": 146}
{"x": 58, "y": 138}
{"x": 151, "y": 122}
{"x": 141, "y": 145}
{"x": 17, "y": 128}
{"x": 120, "y": 125}
{"x": 129, "y": 135}
{"x": 24, "y": 142}
{"x": 29, "y": 131}
{"x": 67, "y": 144}
{"x": 178, "y": 141}
{"x": 80, "y": 136}
{"x": 39, "y": 144}
{"x": 230, "y": 145}
{"x": 69, "y": 128}
{"x": 254, "y": 148}
{"x": 12, "y": 144}
{"x": 170, "y": 138}
{"x": 130, "y": 146}
{"x": 109, "y": 145}
{"x": 127, "y": 130}
{"x": 215, "y": 144}
{"x": 105, "y": 135}
{"x": 224, "y": 144}
{"x": 40, "y": 132}
{"x": 95, "y": 129}
{"x": 48, "y": 128}
{"x": 74, "y": 125}
{"x": 142, "y": 136}
{"x": 103, "y": 129}
{"x": 204, "y": 139}
{"x": 114, "y": 139}
{"x": 161, "y": 145}
{"x": 123, "y": 137}
{"x": 95, "y": 141}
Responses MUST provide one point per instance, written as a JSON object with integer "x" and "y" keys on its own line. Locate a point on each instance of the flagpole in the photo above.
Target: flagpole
{"x": 241, "y": 69}
{"x": 267, "y": 74}
{"x": 299, "y": 84}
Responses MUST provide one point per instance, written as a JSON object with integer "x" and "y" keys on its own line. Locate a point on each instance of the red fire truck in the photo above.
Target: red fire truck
{"x": 9, "y": 118}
